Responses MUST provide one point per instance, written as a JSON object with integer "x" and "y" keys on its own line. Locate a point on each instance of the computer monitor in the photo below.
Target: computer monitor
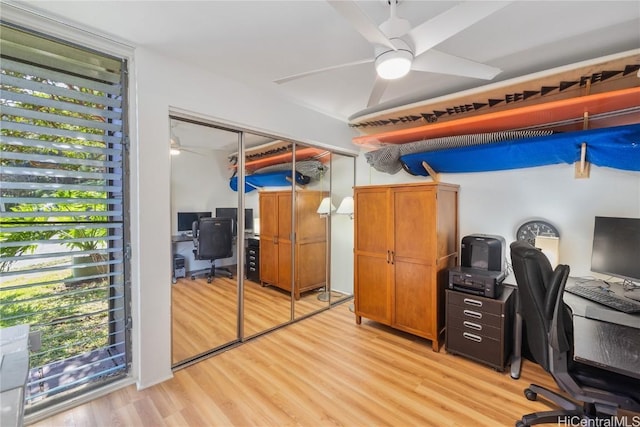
{"x": 616, "y": 247}
{"x": 233, "y": 214}
{"x": 186, "y": 219}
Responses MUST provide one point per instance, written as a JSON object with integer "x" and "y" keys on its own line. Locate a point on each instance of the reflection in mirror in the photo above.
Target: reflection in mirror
{"x": 204, "y": 307}
{"x": 267, "y": 289}
{"x": 342, "y": 235}
{"x": 313, "y": 209}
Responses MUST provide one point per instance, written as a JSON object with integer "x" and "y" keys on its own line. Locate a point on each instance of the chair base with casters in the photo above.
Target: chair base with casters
{"x": 569, "y": 408}
{"x": 548, "y": 320}
{"x": 215, "y": 271}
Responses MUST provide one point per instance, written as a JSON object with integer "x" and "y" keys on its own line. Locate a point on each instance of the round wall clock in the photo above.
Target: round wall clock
{"x": 536, "y": 227}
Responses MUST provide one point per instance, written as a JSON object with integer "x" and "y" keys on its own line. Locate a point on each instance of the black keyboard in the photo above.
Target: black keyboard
{"x": 609, "y": 299}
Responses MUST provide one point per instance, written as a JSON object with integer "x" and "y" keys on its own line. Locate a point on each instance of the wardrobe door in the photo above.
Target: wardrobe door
{"x": 373, "y": 257}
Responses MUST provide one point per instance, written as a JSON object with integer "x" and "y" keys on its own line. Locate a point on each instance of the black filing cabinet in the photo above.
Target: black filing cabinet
{"x": 253, "y": 260}
{"x": 481, "y": 328}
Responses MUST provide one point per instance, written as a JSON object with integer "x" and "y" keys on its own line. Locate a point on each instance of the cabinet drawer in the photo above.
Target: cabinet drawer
{"x": 472, "y": 302}
{"x": 474, "y": 326}
{"x": 473, "y": 315}
{"x": 475, "y": 346}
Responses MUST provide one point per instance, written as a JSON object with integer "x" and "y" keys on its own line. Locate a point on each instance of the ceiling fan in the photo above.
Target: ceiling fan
{"x": 398, "y": 48}
{"x": 176, "y": 147}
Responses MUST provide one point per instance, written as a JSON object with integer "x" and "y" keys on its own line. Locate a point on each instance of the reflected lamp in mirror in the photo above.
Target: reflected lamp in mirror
{"x": 326, "y": 207}
{"x": 346, "y": 207}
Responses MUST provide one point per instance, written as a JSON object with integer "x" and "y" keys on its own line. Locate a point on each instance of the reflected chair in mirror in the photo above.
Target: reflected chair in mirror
{"x": 213, "y": 240}
{"x": 594, "y": 392}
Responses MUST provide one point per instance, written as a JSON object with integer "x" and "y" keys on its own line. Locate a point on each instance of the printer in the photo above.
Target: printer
{"x": 482, "y": 270}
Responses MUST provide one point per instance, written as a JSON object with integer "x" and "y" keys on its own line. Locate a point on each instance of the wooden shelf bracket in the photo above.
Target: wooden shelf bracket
{"x": 583, "y": 167}
{"x": 432, "y": 173}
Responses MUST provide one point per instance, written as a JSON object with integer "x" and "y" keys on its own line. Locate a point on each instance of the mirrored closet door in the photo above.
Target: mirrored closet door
{"x": 341, "y": 227}
{"x": 254, "y": 225}
{"x": 204, "y": 239}
{"x": 267, "y": 270}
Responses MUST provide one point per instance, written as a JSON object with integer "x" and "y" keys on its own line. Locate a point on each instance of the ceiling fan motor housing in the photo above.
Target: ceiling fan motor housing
{"x": 393, "y": 64}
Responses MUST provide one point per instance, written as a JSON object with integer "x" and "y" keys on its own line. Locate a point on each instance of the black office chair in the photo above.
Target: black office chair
{"x": 549, "y": 334}
{"x": 213, "y": 239}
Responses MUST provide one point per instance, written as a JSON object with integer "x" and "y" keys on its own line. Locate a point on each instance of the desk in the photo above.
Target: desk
{"x": 603, "y": 337}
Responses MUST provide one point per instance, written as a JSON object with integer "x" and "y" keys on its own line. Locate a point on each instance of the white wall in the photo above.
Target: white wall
{"x": 162, "y": 86}
{"x": 498, "y": 202}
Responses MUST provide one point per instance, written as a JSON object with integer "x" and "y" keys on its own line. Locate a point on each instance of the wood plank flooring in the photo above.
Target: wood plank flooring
{"x": 324, "y": 370}
{"x": 205, "y": 315}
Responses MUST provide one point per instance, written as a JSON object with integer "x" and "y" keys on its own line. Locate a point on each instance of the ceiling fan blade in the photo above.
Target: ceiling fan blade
{"x": 447, "y": 24}
{"x": 434, "y": 61}
{"x": 361, "y": 22}
{"x": 321, "y": 70}
{"x": 379, "y": 86}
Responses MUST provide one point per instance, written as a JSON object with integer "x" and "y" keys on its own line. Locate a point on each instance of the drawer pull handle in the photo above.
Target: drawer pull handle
{"x": 472, "y": 337}
{"x": 473, "y": 302}
{"x": 472, "y": 325}
{"x": 473, "y": 314}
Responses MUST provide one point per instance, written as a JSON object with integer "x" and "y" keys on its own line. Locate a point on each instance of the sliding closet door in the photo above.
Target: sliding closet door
{"x": 204, "y": 306}
{"x": 267, "y": 207}
{"x": 342, "y": 235}
{"x": 312, "y": 214}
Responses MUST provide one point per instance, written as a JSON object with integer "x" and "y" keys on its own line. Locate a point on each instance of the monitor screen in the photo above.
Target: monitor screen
{"x": 233, "y": 214}
{"x": 186, "y": 219}
{"x": 616, "y": 247}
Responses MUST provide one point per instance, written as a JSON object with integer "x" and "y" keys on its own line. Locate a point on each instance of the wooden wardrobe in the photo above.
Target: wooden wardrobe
{"x": 276, "y": 234}
{"x": 406, "y": 239}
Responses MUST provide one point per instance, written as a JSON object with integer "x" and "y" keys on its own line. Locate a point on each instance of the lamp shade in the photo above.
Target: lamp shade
{"x": 346, "y": 206}
{"x": 326, "y": 206}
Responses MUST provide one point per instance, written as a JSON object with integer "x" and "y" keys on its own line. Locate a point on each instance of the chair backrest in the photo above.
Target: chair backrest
{"x": 540, "y": 292}
{"x": 214, "y": 238}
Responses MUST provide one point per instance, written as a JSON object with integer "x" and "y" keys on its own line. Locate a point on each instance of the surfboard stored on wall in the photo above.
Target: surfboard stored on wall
{"x": 606, "y": 89}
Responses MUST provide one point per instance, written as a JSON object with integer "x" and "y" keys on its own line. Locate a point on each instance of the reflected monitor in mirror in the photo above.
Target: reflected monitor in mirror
{"x": 233, "y": 214}
{"x": 186, "y": 219}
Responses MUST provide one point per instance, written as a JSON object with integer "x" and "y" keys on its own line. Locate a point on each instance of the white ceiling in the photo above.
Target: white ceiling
{"x": 257, "y": 42}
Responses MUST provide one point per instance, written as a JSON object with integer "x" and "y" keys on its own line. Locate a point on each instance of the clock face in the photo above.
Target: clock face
{"x": 530, "y": 229}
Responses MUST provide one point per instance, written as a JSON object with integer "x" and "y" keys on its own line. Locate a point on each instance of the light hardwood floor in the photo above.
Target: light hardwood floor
{"x": 324, "y": 370}
{"x": 204, "y": 315}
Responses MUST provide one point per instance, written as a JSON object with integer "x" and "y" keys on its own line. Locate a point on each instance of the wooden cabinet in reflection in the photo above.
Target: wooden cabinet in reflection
{"x": 406, "y": 238}
{"x": 276, "y": 240}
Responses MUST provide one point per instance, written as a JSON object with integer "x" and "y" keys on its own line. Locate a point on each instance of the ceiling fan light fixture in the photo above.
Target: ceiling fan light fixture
{"x": 394, "y": 64}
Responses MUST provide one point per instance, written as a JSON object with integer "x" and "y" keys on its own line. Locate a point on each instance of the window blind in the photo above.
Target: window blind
{"x": 63, "y": 230}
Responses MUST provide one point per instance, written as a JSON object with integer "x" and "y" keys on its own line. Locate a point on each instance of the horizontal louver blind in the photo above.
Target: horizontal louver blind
{"x": 62, "y": 233}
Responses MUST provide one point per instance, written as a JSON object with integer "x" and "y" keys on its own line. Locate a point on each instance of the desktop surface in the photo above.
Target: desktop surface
{"x": 586, "y": 308}
{"x": 607, "y": 345}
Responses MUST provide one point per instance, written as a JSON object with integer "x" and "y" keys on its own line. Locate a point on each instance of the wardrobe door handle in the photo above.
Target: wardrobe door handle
{"x": 388, "y": 253}
{"x": 393, "y": 257}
